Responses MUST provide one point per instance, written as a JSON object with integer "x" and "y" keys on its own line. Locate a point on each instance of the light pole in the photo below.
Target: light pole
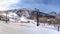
{"x": 37, "y": 10}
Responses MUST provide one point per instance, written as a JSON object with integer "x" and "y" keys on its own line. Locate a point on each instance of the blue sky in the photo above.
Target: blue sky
{"x": 43, "y": 5}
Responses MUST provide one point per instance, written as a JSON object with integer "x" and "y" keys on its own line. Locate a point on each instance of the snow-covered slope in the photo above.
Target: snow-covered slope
{"x": 25, "y": 28}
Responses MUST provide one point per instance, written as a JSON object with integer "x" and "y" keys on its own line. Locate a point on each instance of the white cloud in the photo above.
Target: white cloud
{"x": 5, "y": 4}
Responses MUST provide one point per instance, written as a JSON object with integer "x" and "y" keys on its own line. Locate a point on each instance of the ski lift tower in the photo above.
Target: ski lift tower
{"x": 37, "y": 10}
{"x": 6, "y": 17}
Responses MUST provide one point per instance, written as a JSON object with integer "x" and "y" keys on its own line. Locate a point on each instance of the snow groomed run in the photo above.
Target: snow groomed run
{"x": 25, "y": 28}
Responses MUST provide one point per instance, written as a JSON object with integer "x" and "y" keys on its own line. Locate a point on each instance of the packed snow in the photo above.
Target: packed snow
{"x": 26, "y": 28}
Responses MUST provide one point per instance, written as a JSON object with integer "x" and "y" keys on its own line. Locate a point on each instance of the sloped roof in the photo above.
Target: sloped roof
{"x": 40, "y": 14}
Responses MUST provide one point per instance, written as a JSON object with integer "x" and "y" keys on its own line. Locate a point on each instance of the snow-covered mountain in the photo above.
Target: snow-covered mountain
{"x": 57, "y": 15}
{"x": 29, "y": 13}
